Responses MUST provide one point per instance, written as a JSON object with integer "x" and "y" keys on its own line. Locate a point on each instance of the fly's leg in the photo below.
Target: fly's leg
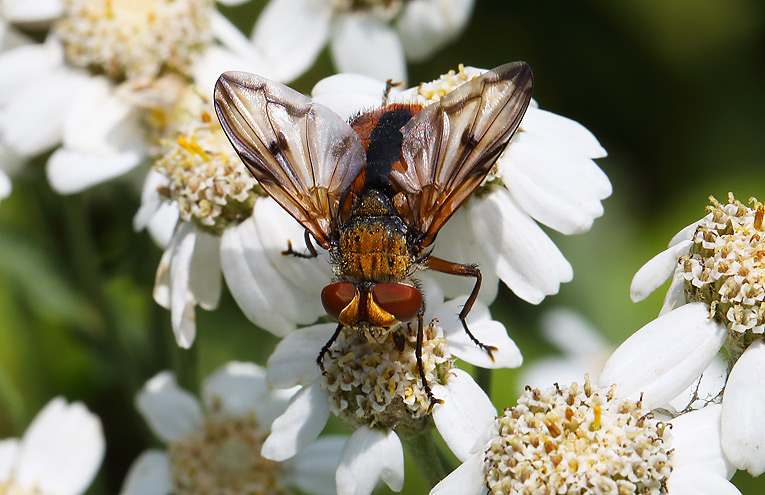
{"x": 451, "y": 268}
{"x": 420, "y": 367}
{"x": 325, "y": 347}
{"x": 389, "y": 85}
{"x": 312, "y": 253}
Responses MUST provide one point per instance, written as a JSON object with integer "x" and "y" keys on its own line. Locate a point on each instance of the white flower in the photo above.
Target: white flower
{"x": 372, "y": 37}
{"x": 218, "y": 448}
{"x": 546, "y": 174}
{"x": 88, "y": 90}
{"x": 203, "y": 206}
{"x": 372, "y": 383}
{"x": 59, "y": 454}
{"x": 584, "y": 440}
{"x": 715, "y": 301}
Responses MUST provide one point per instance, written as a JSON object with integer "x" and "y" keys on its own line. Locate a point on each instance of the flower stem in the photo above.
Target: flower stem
{"x": 483, "y": 378}
{"x": 425, "y": 455}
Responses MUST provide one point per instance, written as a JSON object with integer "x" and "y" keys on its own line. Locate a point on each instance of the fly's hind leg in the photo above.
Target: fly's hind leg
{"x": 327, "y": 345}
{"x": 312, "y": 253}
{"x": 420, "y": 367}
{"x": 451, "y": 268}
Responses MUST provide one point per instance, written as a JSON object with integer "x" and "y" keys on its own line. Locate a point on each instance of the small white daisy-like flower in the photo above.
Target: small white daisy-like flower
{"x": 546, "y": 174}
{"x": 373, "y": 384}
{"x": 372, "y": 37}
{"x": 59, "y": 454}
{"x": 217, "y": 449}
{"x": 204, "y": 207}
{"x": 715, "y": 301}
{"x": 580, "y": 439}
{"x": 86, "y": 90}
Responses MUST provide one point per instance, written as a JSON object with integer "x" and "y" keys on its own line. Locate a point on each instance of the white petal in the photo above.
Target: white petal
{"x": 691, "y": 481}
{"x": 665, "y": 356}
{"x": 658, "y": 269}
{"x": 31, "y": 11}
{"x": 313, "y": 469}
{"x": 557, "y": 186}
{"x": 348, "y": 94}
{"x": 246, "y": 288}
{"x": 9, "y": 450}
{"x": 71, "y": 171}
{"x": 293, "y": 362}
{"x": 150, "y": 199}
{"x": 564, "y": 131}
{"x": 525, "y": 259}
{"x": 685, "y": 234}
{"x": 696, "y": 442}
{"x": 712, "y": 383}
{"x": 170, "y": 411}
{"x": 363, "y": 44}
{"x": 466, "y": 414}
{"x": 300, "y": 425}
{"x": 61, "y": 450}
{"x": 149, "y": 475}
{"x": 572, "y": 333}
{"x": 182, "y": 301}
{"x": 426, "y": 25}
{"x": 204, "y": 272}
{"x": 454, "y": 245}
{"x": 675, "y": 296}
{"x": 5, "y": 185}
{"x": 23, "y": 64}
{"x": 291, "y": 33}
{"x": 32, "y": 121}
{"x": 743, "y": 432}
{"x": 275, "y": 228}
{"x": 468, "y": 479}
{"x": 483, "y": 328}
{"x": 370, "y": 455}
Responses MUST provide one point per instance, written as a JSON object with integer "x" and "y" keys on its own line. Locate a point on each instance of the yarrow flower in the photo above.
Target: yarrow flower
{"x": 715, "y": 301}
{"x": 372, "y": 383}
{"x": 217, "y": 450}
{"x": 59, "y": 454}
{"x": 546, "y": 174}
{"x": 581, "y": 439}
{"x": 104, "y": 66}
{"x": 204, "y": 207}
{"x": 372, "y": 37}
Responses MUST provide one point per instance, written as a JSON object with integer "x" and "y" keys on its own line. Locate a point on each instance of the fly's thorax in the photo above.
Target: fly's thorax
{"x": 373, "y": 242}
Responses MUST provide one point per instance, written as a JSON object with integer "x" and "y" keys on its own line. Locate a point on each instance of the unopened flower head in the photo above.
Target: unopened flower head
{"x": 386, "y": 10}
{"x": 224, "y": 458}
{"x": 134, "y": 38}
{"x": 577, "y": 439}
{"x": 206, "y": 177}
{"x": 725, "y": 267}
{"x": 374, "y": 380}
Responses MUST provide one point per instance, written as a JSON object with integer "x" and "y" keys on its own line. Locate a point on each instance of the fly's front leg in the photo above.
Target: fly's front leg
{"x": 451, "y": 268}
{"x": 312, "y": 253}
{"x": 420, "y": 367}
{"x": 327, "y": 345}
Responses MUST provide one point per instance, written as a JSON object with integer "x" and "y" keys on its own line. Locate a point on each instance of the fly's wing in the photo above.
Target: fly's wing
{"x": 450, "y": 146}
{"x": 302, "y": 153}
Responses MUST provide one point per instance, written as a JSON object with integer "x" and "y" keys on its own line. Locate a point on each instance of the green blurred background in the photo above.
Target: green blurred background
{"x": 675, "y": 91}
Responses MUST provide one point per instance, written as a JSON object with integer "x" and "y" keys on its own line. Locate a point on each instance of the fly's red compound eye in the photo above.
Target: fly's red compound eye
{"x": 335, "y": 297}
{"x": 400, "y": 300}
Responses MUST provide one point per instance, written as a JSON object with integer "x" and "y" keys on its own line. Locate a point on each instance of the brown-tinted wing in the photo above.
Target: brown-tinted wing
{"x": 302, "y": 153}
{"x": 450, "y": 146}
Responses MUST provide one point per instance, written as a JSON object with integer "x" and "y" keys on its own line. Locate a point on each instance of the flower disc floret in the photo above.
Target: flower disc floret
{"x": 205, "y": 176}
{"x": 10, "y": 487}
{"x": 374, "y": 380}
{"x": 224, "y": 458}
{"x": 577, "y": 440}
{"x": 135, "y": 38}
{"x": 725, "y": 267}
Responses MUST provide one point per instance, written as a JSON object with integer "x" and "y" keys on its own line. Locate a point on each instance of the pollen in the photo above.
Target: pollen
{"x": 725, "y": 267}
{"x": 223, "y": 458}
{"x": 205, "y": 176}
{"x": 604, "y": 445}
{"x": 371, "y": 382}
{"x": 435, "y": 90}
{"x": 134, "y": 39}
